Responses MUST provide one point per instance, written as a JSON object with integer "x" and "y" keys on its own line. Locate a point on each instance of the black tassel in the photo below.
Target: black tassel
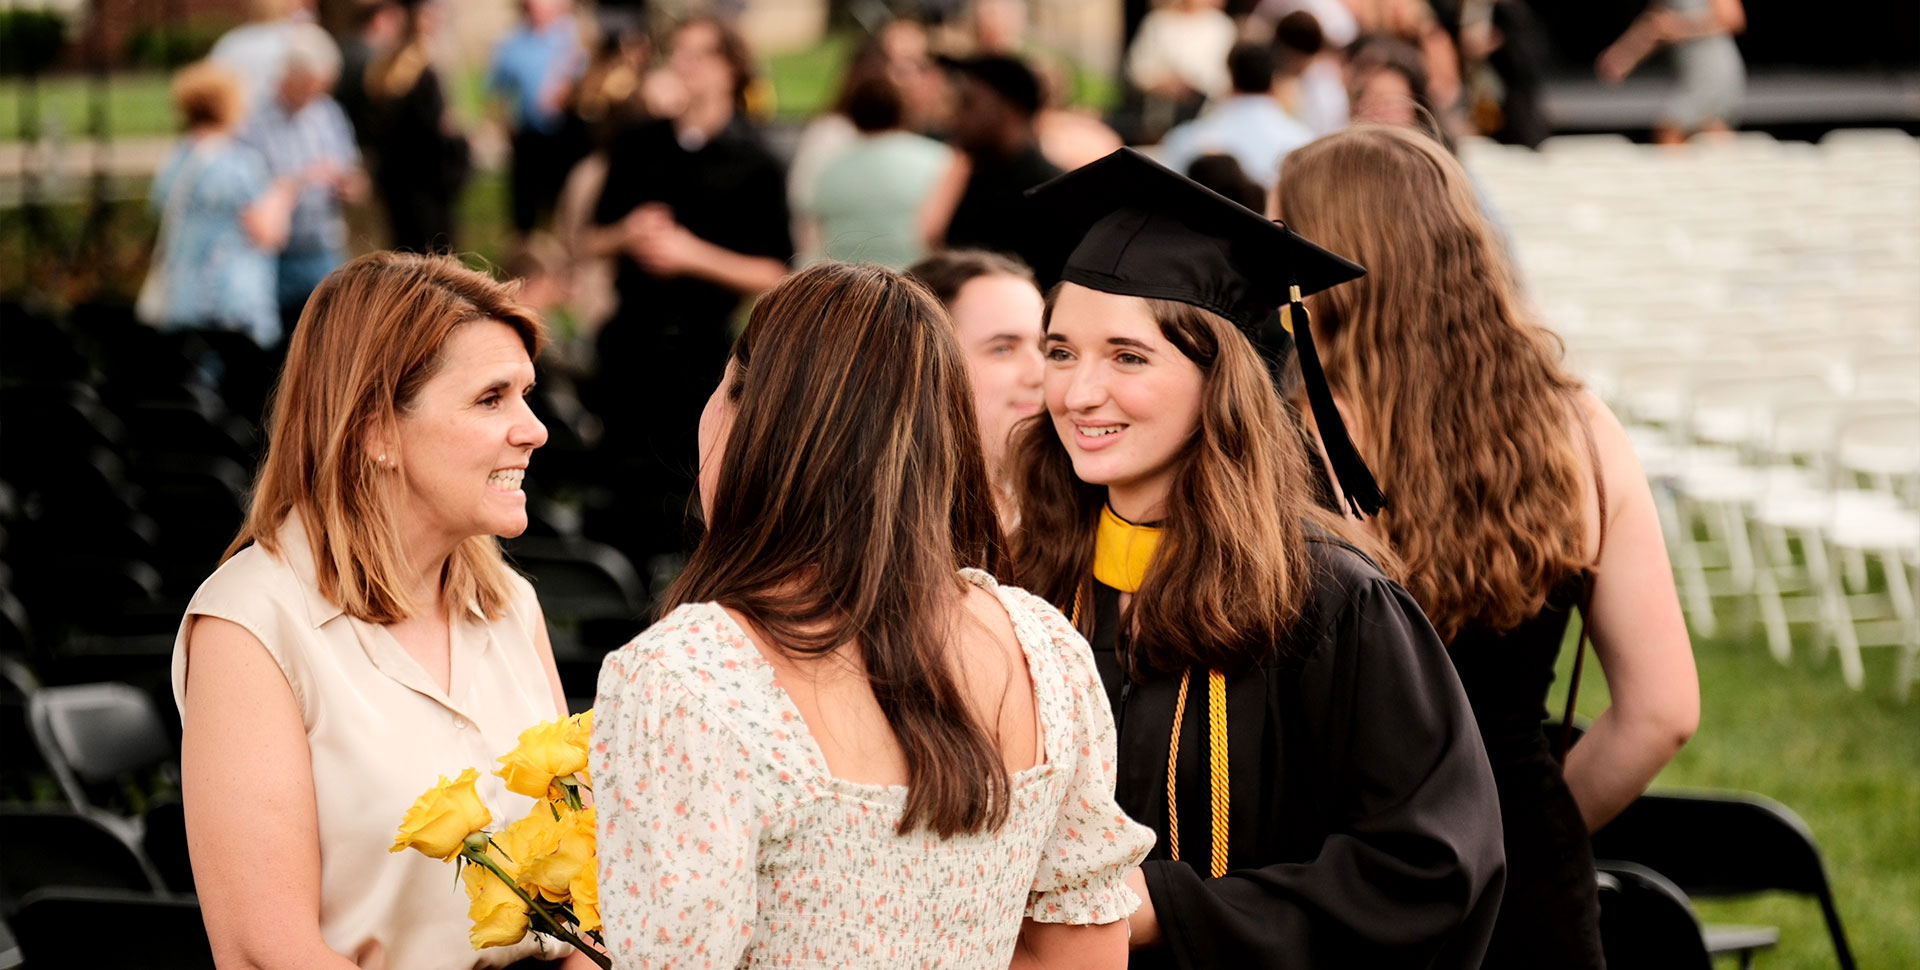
{"x": 1356, "y": 481}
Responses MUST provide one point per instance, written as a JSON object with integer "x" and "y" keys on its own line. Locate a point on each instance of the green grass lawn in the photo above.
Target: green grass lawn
{"x": 804, "y": 83}
{"x": 137, "y": 104}
{"x": 1848, "y": 763}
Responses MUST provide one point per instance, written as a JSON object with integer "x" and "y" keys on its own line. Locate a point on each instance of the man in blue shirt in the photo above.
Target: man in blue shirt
{"x": 534, "y": 70}
{"x": 1250, "y": 125}
{"x": 305, "y": 137}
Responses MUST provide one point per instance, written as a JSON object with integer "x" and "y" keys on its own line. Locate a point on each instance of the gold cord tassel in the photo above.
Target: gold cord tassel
{"x": 1217, "y": 749}
{"x": 1173, "y": 771}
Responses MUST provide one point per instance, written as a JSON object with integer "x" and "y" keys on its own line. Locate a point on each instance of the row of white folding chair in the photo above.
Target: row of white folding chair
{"x": 1639, "y": 177}
{"x": 1846, "y": 243}
{"x": 1840, "y": 143}
{"x": 1726, "y": 471}
{"x": 1668, "y": 250}
{"x": 1851, "y": 524}
{"x": 1718, "y": 309}
{"x": 1656, "y": 381}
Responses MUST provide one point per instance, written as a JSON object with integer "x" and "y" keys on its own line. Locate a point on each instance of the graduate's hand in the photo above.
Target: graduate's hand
{"x": 1144, "y": 924}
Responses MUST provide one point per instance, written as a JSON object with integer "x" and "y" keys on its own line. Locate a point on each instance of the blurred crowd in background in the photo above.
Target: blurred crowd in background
{"x": 647, "y": 202}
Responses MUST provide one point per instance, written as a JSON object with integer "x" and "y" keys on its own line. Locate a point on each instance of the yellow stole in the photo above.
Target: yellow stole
{"x": 1122, "y": 553}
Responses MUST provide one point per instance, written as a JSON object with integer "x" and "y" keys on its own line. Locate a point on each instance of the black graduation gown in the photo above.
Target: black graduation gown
{"x": 1365, "y": 828}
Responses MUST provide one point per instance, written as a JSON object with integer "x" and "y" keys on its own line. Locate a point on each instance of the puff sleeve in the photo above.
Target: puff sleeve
{"x": 1081, "y": 878}
{"x": 679, "y": 825}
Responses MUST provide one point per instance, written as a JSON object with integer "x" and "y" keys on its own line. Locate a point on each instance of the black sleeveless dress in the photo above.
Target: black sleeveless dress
{"x": 1550, "y": 915}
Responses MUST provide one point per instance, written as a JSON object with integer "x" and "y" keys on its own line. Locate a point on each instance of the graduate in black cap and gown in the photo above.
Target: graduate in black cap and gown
{"x": 1290, "y": 726}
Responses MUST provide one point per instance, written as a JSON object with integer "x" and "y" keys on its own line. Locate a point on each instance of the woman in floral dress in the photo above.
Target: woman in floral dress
{"x": 845, "y": 744}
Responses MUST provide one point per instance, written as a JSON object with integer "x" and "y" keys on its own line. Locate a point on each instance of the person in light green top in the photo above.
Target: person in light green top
{"x": 879, "y": 201}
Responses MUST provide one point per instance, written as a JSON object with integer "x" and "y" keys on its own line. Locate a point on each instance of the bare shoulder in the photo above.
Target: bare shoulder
{"x": 228, "y": 663}
{"x": 1617, "y": 459}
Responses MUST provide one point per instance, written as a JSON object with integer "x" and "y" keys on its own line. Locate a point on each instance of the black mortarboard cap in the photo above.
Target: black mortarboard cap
{"x": 1128, "y": 225}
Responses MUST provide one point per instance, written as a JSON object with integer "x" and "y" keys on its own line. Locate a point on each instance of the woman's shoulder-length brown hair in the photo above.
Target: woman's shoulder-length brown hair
{"x": 371, "y": 335}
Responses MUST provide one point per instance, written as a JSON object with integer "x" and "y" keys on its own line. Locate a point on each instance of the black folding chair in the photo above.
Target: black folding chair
{"x": 42, "y": 847}
{"x": 124, "y": 930}
{"x": 10, "y": 955}
{"x": 579, "y": 578}
{"x": 21, "y": 766}
{"x": 94, "y": 736}
{"x": 165, "y": 843}
{"x": 1646, "y": 922}
{"x": 1725, "y": 844}
{"x": 198, "y": 502}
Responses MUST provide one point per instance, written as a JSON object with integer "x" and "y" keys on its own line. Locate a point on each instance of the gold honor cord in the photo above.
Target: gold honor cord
{"x": 1217, "y": 763}
{"x": 1217, "y": 769}
{"x": 1122, "y": 552}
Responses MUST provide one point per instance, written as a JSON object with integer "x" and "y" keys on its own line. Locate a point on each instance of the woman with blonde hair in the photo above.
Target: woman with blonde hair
{"x": 363, "y": 635}
{"x": 222, "y": 218}
{"x": 1288, "y": 723}
{"x": 1516, "y": 498}
{"x": 844, "y": 743}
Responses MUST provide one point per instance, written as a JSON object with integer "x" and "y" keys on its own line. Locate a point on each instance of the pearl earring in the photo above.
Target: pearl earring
{"x": 382, "y": 459}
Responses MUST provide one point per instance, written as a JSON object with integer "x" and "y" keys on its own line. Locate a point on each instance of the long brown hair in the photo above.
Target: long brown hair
{"x": 1231, "y": 575}
{"x": 1463, "y": 411}
{"x": 371, "y": 335}
{"x": 850, "y": 492}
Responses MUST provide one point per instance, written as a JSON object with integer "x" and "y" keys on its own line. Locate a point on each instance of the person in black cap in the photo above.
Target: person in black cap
{"x": 1290, "y": 726}
{"x": 996, "y": 100}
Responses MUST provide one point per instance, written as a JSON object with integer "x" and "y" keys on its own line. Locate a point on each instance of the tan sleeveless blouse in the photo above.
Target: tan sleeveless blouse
{"x": 381, "y": 732}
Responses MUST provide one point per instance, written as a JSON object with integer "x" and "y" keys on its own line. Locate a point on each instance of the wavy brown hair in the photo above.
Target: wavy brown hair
{"x": 371, "y": 336}
{"x": 1462, "y": 409}
{"x": 851, "y": 491}
{"x": 1232, "y": 573}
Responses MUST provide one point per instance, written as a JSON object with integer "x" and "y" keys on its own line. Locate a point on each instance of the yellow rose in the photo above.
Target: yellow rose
{"x": 566, "y": 851}
{"x": 530, "y": 838}
{"x": 443, "y": 817}
{"x": 584, "y": 892}
{"x": 580, "y": 730}
{"x": 545, "y": 752}
{"x": 499, "y": 916}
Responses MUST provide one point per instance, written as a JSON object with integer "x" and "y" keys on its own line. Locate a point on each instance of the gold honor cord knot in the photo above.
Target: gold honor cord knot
{"x": 1217, "y": 769}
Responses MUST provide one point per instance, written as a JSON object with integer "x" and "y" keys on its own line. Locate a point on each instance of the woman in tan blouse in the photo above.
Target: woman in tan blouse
{"x": 364, "y": 635}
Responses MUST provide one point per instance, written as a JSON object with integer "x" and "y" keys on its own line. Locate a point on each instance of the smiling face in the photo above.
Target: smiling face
{"x": 997, "y": 320}
{"x": 1124, "y": 401}
{"x": 462, "y": 445}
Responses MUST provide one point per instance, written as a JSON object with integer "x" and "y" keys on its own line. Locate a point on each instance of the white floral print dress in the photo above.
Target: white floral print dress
{"x": 725, "y": 842}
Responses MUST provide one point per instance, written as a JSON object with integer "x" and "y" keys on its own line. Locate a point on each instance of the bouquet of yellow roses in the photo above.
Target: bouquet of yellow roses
{"x": 537, "y": 873}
